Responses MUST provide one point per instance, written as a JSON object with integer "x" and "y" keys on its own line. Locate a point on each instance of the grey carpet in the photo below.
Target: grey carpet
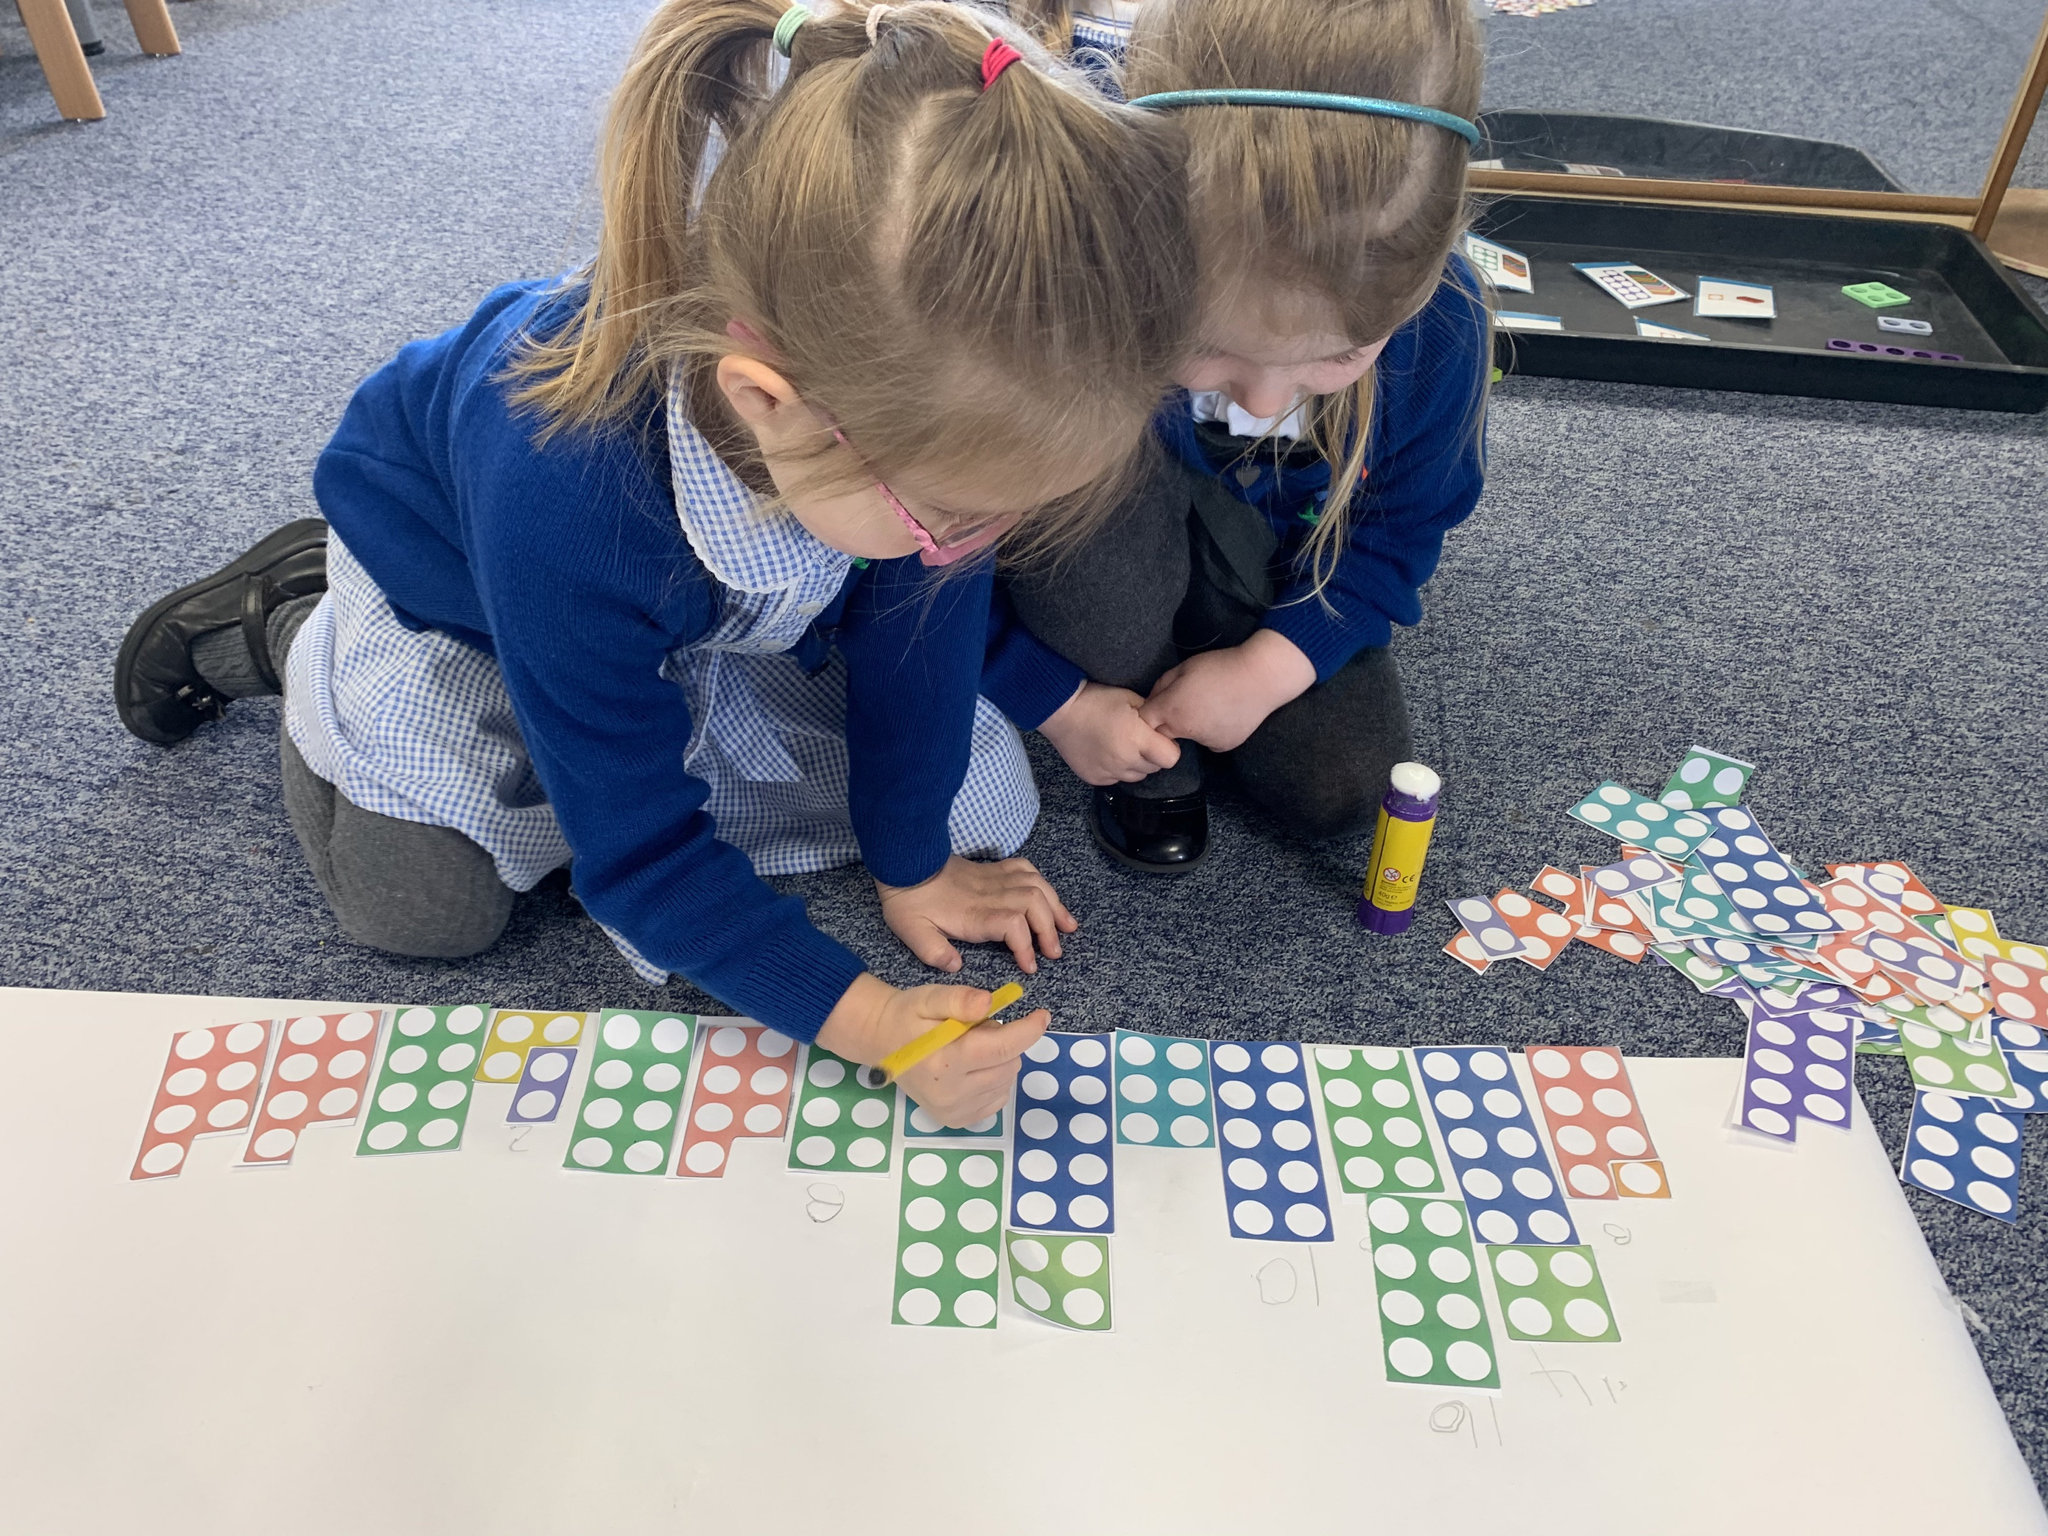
{"x": 1845, "y": 594}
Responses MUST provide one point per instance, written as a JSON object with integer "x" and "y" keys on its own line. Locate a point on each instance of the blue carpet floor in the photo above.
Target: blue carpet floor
{"x": 1848, "y": 595}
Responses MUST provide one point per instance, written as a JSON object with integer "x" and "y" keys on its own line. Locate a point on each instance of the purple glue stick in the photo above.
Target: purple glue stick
{"x": 1407, "y": 817}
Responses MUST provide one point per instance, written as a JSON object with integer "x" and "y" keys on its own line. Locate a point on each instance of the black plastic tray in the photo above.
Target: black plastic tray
{"x": 1976, "y": 308}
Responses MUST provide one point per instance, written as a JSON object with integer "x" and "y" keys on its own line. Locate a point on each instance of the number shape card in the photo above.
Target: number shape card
{"x": 1620, "y": 812}
{"x": 743, "y": 1092}
{"x": 2026, "y": 1063}
{"x": 946, "y": 1258}
{"x": 1946, "y": 1051}
{"x": 423, "y": 1088}
{"x": 1798, "y": 1066}
{"x": 1930, "y": 971}
{"x": 543, "y": 1085}
{"x": 1272, "y": 1168}
{"x": 1553, "y": 1295}
{"x": 2017, "y": 977}
{"x": 1062, "y": 1278}
{"x": 1372, "y": 1113}
{"x": 1162, "y": 1091}
{"x": 1487, "y": 927}
{"x": 919, "y": 1125}
{"x": 1706, "y": 778}
{"x": 627, "y": 1120}
{"x": 1758, "y": 879}
{"x": 1066, "y": 1163}
{"x": 517, "y": 1031}
{"x": 1596, "y": 1126}
{"x": 1433, "y": 1326}
{"x": 1570, "y": 889}
{"x": 1697, "y": 907}
{"x": 1893, "y": 883}
{"x": 1966, "y": 1151}
{"x": 845, "y": 1117}
{"x": 1500, "y": 1163}
{"x": 1636, "y": 874}
{"x": 207, "y": 1088}
{"x": 322, "y": 1068}
{"x": 1545, "y": 932}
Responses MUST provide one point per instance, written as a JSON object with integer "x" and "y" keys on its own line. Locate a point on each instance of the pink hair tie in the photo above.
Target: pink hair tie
{"x": 996, "y": 58}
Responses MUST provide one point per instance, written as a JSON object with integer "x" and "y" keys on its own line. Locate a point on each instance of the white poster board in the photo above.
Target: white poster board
{"x": 482, "y": 1342}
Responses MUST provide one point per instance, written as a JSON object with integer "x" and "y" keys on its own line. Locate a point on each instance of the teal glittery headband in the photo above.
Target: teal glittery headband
{"x": 1370, "y": 106}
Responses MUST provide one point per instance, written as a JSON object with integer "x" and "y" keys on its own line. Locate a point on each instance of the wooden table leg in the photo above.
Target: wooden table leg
{"x": 153, "y": 29}
{"x": 63, "y": 61}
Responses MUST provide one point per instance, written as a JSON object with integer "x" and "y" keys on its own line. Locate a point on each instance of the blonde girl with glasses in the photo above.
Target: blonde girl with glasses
{"x": 675, "y": 573}
{"x": 1327, "y": 435}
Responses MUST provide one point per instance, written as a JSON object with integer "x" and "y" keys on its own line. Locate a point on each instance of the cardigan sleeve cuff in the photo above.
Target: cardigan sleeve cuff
{"x": 1026, "y": 678}
{"x": 1328, "y": 640}
{"x": 795, "y": 982}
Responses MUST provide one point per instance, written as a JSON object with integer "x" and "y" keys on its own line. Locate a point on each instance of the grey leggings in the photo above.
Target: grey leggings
{"x": 400, "y": 886}
{"x": 1186, "y": 567}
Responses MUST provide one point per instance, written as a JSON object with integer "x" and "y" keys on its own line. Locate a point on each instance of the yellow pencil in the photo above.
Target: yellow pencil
{"x": 944, "y": 1033}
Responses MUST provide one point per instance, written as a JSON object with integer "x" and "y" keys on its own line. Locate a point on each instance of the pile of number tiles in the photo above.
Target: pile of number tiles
{"x": 1868, "y": 962}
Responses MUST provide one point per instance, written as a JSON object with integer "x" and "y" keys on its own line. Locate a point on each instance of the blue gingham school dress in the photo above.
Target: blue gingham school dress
{"x": 416, "y": 725}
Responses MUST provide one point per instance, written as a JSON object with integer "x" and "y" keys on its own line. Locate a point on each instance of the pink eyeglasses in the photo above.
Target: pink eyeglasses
{"x": 933, "y": 551}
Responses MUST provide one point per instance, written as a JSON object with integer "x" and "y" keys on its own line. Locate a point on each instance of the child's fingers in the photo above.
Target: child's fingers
{"x": 997, "y": 1046}
{"x": 967, "y": 1004}
{"x": 1162, "y": 751}
{"x": 1017, "y": 935}
{"x": 1045, "y": 924}
{"x": 929, "y": 945}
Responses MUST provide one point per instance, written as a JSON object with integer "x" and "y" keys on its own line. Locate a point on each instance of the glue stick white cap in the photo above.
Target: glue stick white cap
{"x": 1414, "y": 779}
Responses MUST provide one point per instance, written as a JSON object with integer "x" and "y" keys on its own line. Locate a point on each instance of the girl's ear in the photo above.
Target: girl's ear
{"x": 762, "y": 398}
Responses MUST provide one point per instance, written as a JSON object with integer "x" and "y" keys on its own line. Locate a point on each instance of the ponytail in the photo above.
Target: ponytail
{"x": 701, "y": 66}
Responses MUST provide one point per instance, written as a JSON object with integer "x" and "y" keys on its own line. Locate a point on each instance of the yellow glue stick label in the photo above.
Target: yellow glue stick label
{"x": 1397, "y": 850}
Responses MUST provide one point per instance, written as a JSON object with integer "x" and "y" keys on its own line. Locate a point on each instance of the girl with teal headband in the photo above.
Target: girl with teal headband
{"x": 1238, "y": 612}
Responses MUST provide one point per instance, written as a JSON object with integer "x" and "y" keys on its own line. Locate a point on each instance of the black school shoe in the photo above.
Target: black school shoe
{"x": 1167, "y": 836}
{"x": 158, "y": 691}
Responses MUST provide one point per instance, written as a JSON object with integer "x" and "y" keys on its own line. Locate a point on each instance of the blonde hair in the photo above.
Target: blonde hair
{"x": 962, "y": 277}
{"x": 1360, "y": 211}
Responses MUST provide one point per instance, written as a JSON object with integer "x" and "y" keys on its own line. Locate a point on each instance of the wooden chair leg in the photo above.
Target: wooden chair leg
{"x": 56, "y": 45}
{"x": 153, "y": 29}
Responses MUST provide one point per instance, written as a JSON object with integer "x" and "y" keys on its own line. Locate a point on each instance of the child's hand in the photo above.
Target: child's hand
{"x": 1220, "y": 697}
{"x": 1105, "y": 740}
{"x": 1008, "y": 902}
{"x": 961, "y": 1084}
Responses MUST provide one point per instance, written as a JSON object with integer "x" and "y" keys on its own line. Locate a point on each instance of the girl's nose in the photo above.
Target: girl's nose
{"x": 1263, "y": 394}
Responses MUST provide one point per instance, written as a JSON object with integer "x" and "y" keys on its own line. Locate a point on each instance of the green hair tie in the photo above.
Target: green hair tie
{"x": 786, "y": 28}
